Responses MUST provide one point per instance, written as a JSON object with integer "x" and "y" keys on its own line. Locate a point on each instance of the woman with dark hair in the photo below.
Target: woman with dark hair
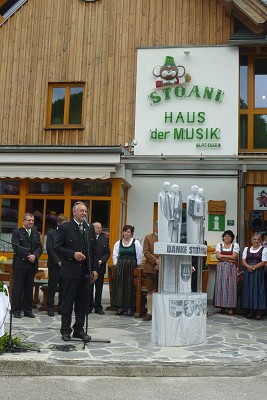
{"x": 127, "y": 255}
{"x": 253, "y": 293}
{"x": 225, "y": 289}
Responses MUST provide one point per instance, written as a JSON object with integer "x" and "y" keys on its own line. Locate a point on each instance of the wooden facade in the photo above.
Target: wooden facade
{"x": 94, "y": 43}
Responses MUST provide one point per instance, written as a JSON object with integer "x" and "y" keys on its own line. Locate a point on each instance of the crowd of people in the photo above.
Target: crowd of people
{"x": 77, "y": 257}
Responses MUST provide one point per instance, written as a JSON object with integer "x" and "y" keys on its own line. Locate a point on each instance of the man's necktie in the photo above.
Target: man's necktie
{"x": 81, "y": 227}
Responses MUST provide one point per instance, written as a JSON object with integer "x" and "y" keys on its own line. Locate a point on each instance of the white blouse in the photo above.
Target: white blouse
{"x": 236, "y": 248}
{"x": 264, "y": 253}
{"x": 138, "y": 251}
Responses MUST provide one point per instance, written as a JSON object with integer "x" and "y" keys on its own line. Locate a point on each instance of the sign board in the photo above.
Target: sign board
{"x": 180, "y": 249}
{"x": 187, "y": 101}
{"x": 216, "y": 223}
{"x": 216, "y": 207}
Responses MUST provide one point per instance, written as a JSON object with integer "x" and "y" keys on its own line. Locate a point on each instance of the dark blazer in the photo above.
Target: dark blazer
{"x": 23, "y": 246}
{"x": 68, "y": 241}
{"x": 103, "y": 252}
{"x": 53, "y": 258}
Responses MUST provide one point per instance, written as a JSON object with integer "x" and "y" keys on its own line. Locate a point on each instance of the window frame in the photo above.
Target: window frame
{"x": 251, "y": 110}
{"x": 68, "y": 86}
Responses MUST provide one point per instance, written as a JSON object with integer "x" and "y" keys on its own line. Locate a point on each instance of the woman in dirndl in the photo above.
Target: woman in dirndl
{"x": 127, "y": 255}
{"x": 254, "y": 259}
{"x": 225, "y": 289}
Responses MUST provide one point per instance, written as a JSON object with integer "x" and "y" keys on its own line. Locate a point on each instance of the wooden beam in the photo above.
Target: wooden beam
{"x": 252, "y": 13}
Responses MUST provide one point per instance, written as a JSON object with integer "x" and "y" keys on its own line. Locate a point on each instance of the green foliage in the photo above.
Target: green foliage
{"x": 16, "y": 344}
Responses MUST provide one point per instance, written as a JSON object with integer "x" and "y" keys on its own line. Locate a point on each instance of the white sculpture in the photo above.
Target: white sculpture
{"x": 164, "y": 212}
{"x": 195, "y": 215}
{"x": 176, "y": 220}
{"x": 169, "y": 213}
{"x": 179, "y": 315}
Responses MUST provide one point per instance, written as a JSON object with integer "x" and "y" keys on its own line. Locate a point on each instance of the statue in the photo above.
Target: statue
{"x": 176, "y": 220}
{"x": 170, "y": 212}
{"x": 164, "y": 212}
{"x": 201, "y": 201}
{"x": 195, "y": 215}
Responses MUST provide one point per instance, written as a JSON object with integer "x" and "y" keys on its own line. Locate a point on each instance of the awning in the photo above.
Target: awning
{"x": 94, "y": 162}
{"x": 56, "y": 171}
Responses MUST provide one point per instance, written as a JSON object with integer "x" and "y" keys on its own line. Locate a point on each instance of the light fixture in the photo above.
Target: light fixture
{"x": 131, "y": 145}
{"x": 187, "y": 52}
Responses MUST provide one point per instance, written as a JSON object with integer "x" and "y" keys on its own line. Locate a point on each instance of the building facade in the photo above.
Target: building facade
{"x": 86, "y": 111}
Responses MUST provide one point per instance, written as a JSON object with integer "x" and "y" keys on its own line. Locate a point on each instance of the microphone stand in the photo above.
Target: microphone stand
{"x": 88, "y": 277}
{"x": 11, "y": 346}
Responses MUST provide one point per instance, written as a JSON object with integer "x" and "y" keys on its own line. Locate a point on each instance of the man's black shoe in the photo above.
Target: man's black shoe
{"x": 50, "y": 313}
{"x": 100, "y": 312}
{"x": 16, "y": 315}
{"x": 29, "y": 315}
{"x": 82, "y": 335}
{"x": 66, "y": 337}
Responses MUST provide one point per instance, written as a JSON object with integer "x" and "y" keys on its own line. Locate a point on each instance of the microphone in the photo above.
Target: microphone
{"x": 85, "y": 220}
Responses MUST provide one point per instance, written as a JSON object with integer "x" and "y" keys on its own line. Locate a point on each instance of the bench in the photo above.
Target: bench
{"x": 40, "y": 279}
{"x": 44, "y": 289}
{"x": 140, "y": 291}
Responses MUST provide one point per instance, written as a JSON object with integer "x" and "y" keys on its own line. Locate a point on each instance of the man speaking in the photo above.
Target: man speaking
{"x": 76, "y": 247}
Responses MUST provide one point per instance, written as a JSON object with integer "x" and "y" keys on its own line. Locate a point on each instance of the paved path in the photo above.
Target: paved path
{"x": 235, "y": 346}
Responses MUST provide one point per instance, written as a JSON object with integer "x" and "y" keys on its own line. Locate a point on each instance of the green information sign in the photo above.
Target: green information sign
{"x": 216, "y": 223}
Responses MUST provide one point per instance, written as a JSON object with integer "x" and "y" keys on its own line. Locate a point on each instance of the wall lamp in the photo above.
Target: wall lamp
{"x": 131, "y": 145}
{"x": 187, "y": 52}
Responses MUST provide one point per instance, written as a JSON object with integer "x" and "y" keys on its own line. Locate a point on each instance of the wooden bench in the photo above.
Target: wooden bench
{"x": 44, "y": 289}
{"x": 140, "y": 291}
{"x": 40, "y": 279}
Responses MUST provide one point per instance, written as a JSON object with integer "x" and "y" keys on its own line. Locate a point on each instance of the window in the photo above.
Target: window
{"x": 65, "y": 105}
{"x": 91, "y": 188}
{"x": 253, "y": 102}
{"x": 47, "y": 199}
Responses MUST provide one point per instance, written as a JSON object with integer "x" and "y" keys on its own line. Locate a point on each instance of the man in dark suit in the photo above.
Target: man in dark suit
{"x": 76, "y": 247}
{"x": 103, "y": 254}
{"x": 27, "y": 246}
{"x": 53, "y": 264}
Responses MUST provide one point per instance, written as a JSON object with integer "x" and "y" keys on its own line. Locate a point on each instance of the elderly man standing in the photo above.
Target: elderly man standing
{"x": 28, "y": 248}
{"x": 75, "y": 245}
{"x": 103, "y": 254}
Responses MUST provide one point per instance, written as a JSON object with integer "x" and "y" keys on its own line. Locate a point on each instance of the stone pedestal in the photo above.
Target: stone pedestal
{"x": 179, "y": 316}
{"x": 179, "y": 319}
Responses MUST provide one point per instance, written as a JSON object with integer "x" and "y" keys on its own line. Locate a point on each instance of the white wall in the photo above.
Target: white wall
{"x": 144, "y": 192}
